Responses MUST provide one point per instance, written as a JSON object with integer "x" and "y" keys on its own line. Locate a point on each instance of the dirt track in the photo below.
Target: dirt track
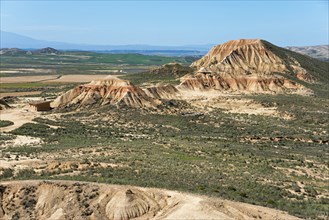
{"x": 52, "y": 78}
{"x": 19, "y": 116}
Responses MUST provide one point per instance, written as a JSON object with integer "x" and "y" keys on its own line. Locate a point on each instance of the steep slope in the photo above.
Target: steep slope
{"x": 253, "y": 65}
{"x": 117, "y": 92}
{"x": 253, "y": 84}
{"x": 245, "y": 57}
{"x": 109, "y": 91}
{"x": 74, "y": 200}
{"x": 162, "y": 92}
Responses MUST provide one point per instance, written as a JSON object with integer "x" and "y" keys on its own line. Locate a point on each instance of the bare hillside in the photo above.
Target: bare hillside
{"x": 319, "y": 52}
{"x": 78, "y": 200}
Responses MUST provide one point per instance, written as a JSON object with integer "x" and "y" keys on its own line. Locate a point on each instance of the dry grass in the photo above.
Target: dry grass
{"x": 26, "y": 79}
{"x": 4, "y": 94}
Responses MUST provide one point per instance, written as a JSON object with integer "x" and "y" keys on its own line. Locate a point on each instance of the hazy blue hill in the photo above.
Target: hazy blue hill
{"x": 320, "y": 52}
{"x": 12, "y": 40}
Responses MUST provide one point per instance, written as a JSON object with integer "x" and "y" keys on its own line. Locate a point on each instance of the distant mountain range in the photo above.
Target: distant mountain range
{"x": 17, "y": 51}
{"x": 12, "y": 40}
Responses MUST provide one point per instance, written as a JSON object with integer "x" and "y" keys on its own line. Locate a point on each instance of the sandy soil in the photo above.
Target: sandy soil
{"x": 78, "y": 78}
{"x": 22, "y": 163}
{"x": 19, "y": 116}
{"x": 210, "y": 100}
{"x": 80, "y": 200}
{"x": 21, "y": 140}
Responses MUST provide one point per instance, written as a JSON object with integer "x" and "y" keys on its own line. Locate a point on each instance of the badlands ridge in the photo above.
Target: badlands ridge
{"x": 239, "y": 66}
{"x": 75, "y": 200}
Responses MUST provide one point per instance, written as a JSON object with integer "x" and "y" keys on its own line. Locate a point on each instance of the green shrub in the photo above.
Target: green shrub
{"x": 5, "y": 123}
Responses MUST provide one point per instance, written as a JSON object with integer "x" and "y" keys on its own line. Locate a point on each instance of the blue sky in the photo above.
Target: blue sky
{"x": 168, "y": 22}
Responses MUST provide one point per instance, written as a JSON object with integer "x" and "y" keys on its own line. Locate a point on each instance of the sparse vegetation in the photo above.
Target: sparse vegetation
{"x": 190, "y": 153}
{"x": 5, "y": 123}
{"x": 270, "y": 161}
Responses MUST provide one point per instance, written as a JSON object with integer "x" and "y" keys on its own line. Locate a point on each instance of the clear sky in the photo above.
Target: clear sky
{"x": 281, "y": 22}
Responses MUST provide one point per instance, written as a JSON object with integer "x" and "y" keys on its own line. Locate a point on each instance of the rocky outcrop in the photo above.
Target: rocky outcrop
{"x": 109, "y": 91}
{"x": 128, "y": 204}
{"x": 251, "y": 83}
{"x": 247, "y": 65}
{"x": 245, "y": 57}
{"x": 117, "y": 92}
{"x": 12, "y": 51}
{"x": 241, "y": 57}
{"x": 76, "y": 200}
{"x": 47, "y": 50}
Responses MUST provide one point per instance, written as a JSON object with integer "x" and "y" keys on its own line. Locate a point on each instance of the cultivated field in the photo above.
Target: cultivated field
{"x": 53, "y": 78}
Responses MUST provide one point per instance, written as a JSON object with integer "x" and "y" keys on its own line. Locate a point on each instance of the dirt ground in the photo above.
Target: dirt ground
{"x": 78, "y": 78}
{"x": 26, "y": 79}
{"x": 211, "y": 100}
{"x": 81, "y": 200}
{"x": 17, "y": 115}
{"x": 52, "y": 78}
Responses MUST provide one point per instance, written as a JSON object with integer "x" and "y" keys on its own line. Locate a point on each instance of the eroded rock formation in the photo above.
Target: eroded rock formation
{"x": 245, "y": 57}
{"x": 246, "y": 65}
{"x": 115, "y": 92}
{"x": 74, "y": 200}
{"x": 252, "y": 83}
{"x": 108, "y": 91}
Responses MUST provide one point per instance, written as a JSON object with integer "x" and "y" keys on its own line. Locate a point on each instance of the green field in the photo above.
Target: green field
{"x": 84, "y": 63}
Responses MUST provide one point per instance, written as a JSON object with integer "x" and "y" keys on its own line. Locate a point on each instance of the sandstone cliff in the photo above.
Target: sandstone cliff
{"x": 251, "y": 83}
{"x": 249, "y": 66}
{"x": 245, "y": 57}
{"x": 102, "y": 92}
{"x": 117, "y": 92}
{"x": 74, "y": 200}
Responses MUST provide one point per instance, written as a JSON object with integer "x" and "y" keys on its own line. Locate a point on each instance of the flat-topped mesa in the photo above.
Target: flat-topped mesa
{"x": 108, "y": 91}
{"x": 248, "y": 56}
